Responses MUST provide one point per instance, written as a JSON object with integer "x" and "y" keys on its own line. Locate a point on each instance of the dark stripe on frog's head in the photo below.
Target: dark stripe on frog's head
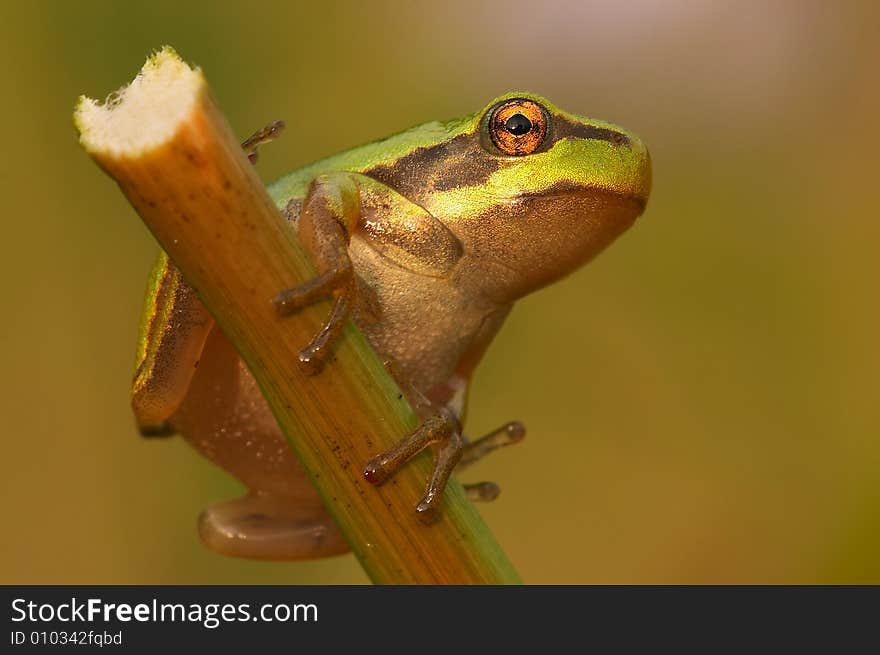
{"x": 465, "y": 161}
{"x": 564, "y": 128}
{"x": 458, "y": 162}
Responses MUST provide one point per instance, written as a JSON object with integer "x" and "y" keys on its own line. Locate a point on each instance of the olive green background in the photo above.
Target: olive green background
{"x": 702, "y": 400}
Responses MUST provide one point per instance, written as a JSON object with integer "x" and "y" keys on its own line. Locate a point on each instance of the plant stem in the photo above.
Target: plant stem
{"x": 176, "y": 159}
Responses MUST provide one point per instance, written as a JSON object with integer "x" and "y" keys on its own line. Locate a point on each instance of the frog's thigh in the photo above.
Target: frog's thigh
{"x": 270, "y": 527}
{"x": 173, "y": 338}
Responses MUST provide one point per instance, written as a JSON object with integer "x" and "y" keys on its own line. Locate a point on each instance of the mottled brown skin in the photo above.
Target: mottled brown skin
{"x": 428, "y": 284}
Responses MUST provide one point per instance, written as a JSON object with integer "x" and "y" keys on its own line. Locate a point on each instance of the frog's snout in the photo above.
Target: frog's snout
{"x": 640, "y": 171}
{"x": 610, "y": 159}
{"x": 646, "y": 177}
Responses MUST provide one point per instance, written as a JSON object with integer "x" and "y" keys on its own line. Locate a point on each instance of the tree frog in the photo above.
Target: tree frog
{"x": 425, "y": 239}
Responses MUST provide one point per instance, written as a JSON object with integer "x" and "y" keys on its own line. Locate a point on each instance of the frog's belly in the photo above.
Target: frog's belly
{"x": 425, "y": 324}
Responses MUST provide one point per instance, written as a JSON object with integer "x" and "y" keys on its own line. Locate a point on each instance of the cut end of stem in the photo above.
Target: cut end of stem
{"x": 143, "y": 115}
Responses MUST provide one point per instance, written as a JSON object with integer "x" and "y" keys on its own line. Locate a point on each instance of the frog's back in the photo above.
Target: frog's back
{"x": 363, "y": 158}
{"x": 173, "y": 329}
{"x": 150, "y": 318}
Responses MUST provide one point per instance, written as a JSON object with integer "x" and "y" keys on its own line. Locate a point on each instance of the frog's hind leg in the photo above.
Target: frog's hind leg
{"x": 270, "y": 527}
{"x": 226, "y": 418}
{"x": 170, "y": 344}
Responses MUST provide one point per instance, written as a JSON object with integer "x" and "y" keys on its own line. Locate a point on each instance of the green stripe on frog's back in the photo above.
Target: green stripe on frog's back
{"x": 384, "y": 155}
{"x": 154, "y": 316}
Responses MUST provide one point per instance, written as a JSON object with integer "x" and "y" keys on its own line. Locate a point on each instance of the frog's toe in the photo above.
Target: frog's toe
{"x": 315, "y": 354}
{"x": 442, "y": 429}
{"x": 262, "y": 526}
{"x": 508, "y": 434}
{"x": 482, "y": 492}
{"x": 290, "y": 301}
{"x": 339, "y": 282}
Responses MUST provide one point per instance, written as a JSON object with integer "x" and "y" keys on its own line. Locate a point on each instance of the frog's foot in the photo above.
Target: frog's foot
{"x": 269, "y": 527}
{"x": 506, "y": 435}
{"x": 442, "y": 429}
{"x": 339, "y": 281}
{"x": 261, "y": 137}
{"x": 482, "y": 492}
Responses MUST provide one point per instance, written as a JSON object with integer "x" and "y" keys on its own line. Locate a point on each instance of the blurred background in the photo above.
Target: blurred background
{"x": 702, "y": 400}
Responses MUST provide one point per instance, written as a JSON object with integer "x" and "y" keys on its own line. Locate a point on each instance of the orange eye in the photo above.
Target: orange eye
{"x": 518, "y": 127}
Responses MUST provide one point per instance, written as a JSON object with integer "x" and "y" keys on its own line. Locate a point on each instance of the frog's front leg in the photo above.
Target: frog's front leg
{"x": 452, "y": 397}
{"x": 409, "y": 237}
{"x": 405, "y": 234}
{"x": 329, "y": 215}
{"x": 442, "y": 429}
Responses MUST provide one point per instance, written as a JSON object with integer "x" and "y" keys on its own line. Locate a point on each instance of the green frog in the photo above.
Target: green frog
{"x": 425, "y": 240}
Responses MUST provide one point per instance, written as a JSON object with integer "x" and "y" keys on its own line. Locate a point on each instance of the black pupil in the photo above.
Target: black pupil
{"x": 518, "y": 125}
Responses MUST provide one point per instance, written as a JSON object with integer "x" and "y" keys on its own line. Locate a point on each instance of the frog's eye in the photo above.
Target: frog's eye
{"x": 518, "y": 127}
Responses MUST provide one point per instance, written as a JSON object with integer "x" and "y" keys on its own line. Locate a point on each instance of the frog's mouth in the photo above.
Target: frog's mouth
{"x": 561, "y": 190}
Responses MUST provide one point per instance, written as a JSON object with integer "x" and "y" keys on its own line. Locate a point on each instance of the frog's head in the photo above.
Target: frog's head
{"x": 538, "y": 192}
